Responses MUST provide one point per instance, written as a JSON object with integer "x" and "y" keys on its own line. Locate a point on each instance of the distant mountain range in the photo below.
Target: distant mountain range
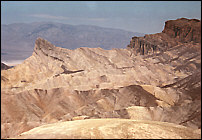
{"x": 17, "y": 40}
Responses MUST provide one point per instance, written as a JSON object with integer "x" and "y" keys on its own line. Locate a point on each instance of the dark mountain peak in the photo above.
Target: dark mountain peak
{"x": 4, "y": 66}
{"x": 185, "y": 30}
{"x": 175, "y": 32}
{"x": 186, "y": 19}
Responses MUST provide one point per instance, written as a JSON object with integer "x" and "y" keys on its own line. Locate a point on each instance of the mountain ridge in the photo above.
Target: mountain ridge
{"x": 17, "y": 39}
{"x": 61, "y": 86}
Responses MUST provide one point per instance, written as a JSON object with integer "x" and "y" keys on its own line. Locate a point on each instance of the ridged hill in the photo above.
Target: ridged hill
{"x": 111, "y": 129}
{"x": 57, "y": 84}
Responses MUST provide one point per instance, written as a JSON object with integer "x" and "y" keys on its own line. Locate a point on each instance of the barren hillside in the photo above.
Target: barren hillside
{"x": 156, "y": 81}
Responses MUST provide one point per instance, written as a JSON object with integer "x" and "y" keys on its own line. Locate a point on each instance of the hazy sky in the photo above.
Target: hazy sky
{"x": 137, "y": 16}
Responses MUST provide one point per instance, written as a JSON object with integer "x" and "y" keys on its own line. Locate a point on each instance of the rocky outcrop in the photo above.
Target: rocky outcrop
{"x": 150, "y": 44}
{"x": 175, "y": 33}
{"x": 4, "y": 66}
{"x": 184, "y": 30}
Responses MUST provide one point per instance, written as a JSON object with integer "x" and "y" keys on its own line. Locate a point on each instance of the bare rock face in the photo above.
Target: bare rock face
{"x": 185, "y": 30}
{"x": 57, "y": 84}
{"x": 150, "y": 44}
{"x": 4, "y": 66}
{"x": 175, "y": 33}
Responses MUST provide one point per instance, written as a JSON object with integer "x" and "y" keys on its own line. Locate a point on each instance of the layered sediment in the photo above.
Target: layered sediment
{"x": 57, "y": 85}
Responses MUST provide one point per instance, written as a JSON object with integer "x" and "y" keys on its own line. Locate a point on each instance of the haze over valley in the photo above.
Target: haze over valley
{"x": 17, "y": 39}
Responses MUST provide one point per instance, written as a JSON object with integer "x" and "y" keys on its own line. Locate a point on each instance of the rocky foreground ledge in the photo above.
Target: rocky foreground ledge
{"x": 111, "y": 129}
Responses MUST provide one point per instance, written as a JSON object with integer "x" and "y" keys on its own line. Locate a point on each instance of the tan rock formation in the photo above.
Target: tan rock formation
{"x": 111, "y": 129}
{"x": 57, "y": 84}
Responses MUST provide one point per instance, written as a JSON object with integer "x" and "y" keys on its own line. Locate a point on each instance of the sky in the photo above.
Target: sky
{"x": 136, "y": 16}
